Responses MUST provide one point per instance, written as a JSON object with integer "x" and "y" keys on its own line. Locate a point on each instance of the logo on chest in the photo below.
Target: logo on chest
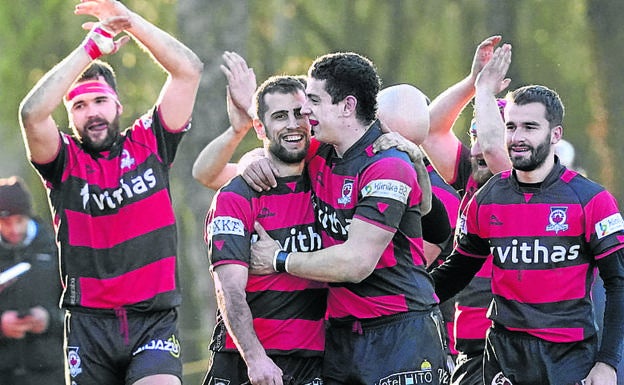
{"x": 347, "y": 190}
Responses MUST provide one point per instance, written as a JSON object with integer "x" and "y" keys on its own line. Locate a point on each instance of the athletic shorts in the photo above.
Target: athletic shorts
{"x": 407, "y": 348}
{"x": 468, "y": 369}
{"x": 119, "y": 349}
{"x": 229, "y": 368}
{"x": 518, "y": 358}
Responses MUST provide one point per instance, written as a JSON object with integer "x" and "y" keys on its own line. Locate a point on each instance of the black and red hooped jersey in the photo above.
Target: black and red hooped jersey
{"x": 288, "y": 312}
{"x": 380, "y": 189}
{"x": 114, "y": 219}
{"x": 545, "y": 242}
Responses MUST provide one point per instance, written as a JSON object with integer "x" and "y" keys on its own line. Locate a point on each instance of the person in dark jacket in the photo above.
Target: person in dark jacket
{"x": 31, "y": 322}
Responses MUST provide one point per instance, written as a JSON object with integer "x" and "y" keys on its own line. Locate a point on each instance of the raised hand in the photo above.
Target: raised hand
{"x": 241, "y": 80}
{"x": 102, "y": 9}
{"x": 492, "y": 76}
{"x": 483, "y": 54}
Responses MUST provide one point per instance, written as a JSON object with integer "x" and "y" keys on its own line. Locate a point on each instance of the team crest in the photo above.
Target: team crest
{"x": 347, "y": 189}
{"x": 557, "y": 219}
{"x": 500, "y": 379}
{"x": 73, "y": 360}
{"x": 127, "y": 161}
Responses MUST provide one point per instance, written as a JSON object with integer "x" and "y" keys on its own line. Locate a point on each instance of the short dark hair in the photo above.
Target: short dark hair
{"x": 348, "y": 73}
{"x": 276, "y": 84}
{"x": 540, "y": 94}
{"x": 96, "y": 69}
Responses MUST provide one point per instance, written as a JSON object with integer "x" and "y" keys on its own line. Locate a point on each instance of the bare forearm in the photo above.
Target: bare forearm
{"x": 332, "y": 264}
{"x": 210, "y": 165}
{"x": 446, "y": 107}
{"x": 239, "y": 322}
{"x": 48, "y": 93}
{"x": 491, "y": 132}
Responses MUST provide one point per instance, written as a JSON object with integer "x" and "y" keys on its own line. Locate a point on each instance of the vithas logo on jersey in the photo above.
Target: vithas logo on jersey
{"x": 557, "y": 219}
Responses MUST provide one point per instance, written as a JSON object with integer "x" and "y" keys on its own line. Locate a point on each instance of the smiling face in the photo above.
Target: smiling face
{"x": 94, "y": 115}
{"x": 530, "y": 138}
{"x": 286, "y": 131}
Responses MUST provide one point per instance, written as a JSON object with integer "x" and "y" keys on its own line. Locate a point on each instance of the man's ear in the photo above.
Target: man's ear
{"x": 349, "y": 105}
{"x": 259, "y": 127}
{"x": 556, "y": 134}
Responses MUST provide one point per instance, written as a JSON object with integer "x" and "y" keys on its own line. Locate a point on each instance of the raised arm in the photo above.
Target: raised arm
{"x": 184, "y": 68}
{"x": 211, "y": 168}
{"x": 35, "y": 112}
{"x": 442, "y": 143}
{"x": 490, "y": 125}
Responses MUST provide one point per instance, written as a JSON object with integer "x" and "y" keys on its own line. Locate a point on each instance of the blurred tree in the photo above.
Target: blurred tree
{"x": 605, "y": 96}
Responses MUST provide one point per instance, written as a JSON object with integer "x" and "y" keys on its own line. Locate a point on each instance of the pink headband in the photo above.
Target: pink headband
{"x": 91, "y": 87}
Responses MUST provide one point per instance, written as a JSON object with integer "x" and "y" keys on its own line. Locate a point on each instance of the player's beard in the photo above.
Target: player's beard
{"x": 480, "y": 174}
{"x": 536, "y": 159}
{"x": 286, "y": 155}
{"x": 112, "y": 132}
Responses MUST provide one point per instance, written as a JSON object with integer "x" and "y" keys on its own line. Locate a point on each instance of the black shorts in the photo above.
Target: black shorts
{"x": 521, "y": 358}
{"x": 401, "y": 349}
{"x": 121, "y": 349}
{"x": 468, "y": 369}
{"x": 229, "y": 368}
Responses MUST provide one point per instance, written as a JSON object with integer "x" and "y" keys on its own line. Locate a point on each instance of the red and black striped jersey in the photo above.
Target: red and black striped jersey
{"x": 115, "y": 221}
{"x": 381, "y": 189}
{"x": 288, "y": 312}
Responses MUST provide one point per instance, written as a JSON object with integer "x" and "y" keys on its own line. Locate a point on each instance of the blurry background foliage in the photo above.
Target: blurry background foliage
{"x": 573, "y": 46}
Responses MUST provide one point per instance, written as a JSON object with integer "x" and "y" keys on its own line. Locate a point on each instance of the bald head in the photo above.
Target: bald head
{"x": 404, "y": 109}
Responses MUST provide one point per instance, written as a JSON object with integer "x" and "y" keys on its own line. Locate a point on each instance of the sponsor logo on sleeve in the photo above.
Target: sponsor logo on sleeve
{"x": 609, "y": 225}
{"x": 387, "y": 188}
{"x": 227, "y": 225}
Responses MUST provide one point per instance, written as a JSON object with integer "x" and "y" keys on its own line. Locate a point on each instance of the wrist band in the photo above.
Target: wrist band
{"x": 279, "y": 262}
{"x": 98, "y": 42}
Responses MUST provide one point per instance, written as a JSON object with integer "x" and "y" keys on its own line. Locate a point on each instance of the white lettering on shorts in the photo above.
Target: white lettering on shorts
{"x": 171, "y": 345}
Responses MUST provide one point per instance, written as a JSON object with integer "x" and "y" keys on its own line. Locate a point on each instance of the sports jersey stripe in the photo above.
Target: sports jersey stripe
{"x": 344, "y": 302}
{"x": 474, "y": 316}
{"x": 382, "y": 190}
{"x": 540, "y": 286}
{"x": 83, "y": 185}
{"x": 450, "y": 202}
{"x": 559, "y": 335}
{"x": 135, "y": 286}
{"x": 530, "y": 220}
{"x": 307, "y": 303}
{"x": 84, "y": 228}
{"x": 290, "y": 217}
{"x": 276, "y": 342}
{"x": 90, "y": 262}
{"x": 288, "y": 312}
{"x": 280, "y": 282}
{"x": 542, "y": 279}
